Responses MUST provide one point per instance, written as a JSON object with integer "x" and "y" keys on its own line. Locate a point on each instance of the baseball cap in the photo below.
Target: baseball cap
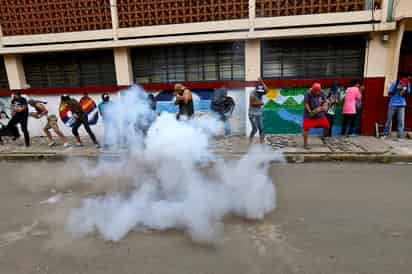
{"x": 316, "y": 87}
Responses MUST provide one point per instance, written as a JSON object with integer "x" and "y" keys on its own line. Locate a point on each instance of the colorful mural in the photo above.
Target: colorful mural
{"x": 284, "y": 108}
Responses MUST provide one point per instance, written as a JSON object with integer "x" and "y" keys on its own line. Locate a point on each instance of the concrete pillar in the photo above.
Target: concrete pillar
{"x": 115, "y": 20}
{"x": 252, "y": 72}
{"x": 384, "y": 7}
{"x": 1, "y": 38}
{"x": 252, "y": 14}
{"x": 15, "y": 71}
{"x": 394, "y": 47}
{"x": 376, "y": 56}
{"x": 252, "y": 60}
{"x": 123, "y": 65}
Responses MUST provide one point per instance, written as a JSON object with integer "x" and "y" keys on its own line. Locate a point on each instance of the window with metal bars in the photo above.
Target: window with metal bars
{"x": 71, "y": 69}
{"x": 203, "y": 62}
{"x": 313, "y": 58}
{"x": 4, "y": 84}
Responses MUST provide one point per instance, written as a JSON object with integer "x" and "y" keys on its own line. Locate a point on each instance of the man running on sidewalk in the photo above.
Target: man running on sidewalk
{"x": 81, "y": 119}
{"x": 20, "y": 115}
{"x": 41, "y": 111}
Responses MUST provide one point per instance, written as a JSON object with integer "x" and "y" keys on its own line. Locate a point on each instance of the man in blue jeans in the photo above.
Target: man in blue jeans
{"x": 255, "y": 111}
{"x": 397, "y": 104}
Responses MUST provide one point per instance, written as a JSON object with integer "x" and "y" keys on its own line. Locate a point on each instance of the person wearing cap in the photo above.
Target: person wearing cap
{"x": 106, "y": 110}
{"x": 352, "y": 95}
{"x": 41, "y": 111}
{"x": 20, "y": 115}
{"x": 397, "y": 104}
{"x": 81, "y": 119}
{"x": 316, "y": 104}
{"x": 184, "y": 100}
{"x": 255, "y": 111}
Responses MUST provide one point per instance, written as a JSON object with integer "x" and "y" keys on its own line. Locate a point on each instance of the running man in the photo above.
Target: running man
{"x": 41, "y": 111}
{"x": 81, "y": 119}
{"x": 20, "y": 115}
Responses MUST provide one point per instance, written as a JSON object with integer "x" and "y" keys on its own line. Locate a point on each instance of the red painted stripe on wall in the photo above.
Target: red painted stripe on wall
{"x": 168, "y": 86}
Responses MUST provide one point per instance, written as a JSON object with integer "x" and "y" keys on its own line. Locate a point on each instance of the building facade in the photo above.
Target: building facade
{"x": 49, "y": 48}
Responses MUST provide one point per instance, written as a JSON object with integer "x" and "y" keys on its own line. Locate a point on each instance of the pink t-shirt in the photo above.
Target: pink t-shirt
{"x": 351, "y": 95}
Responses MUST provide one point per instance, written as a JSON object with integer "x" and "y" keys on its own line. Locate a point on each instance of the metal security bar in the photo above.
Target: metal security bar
{"x": 137, "y": 13}
{"x": 21, "y": 17}
{"x": 205, "y": 62}
{"x": 3, "y": 75}
{"x": 313, "y": 58}
{"x": 77, "y": 69}
{"x": 272, "y": 8}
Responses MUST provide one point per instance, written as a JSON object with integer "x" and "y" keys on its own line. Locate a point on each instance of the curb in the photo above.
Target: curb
{"x": 289, "y": 157}
{"x": 349, "y": 157}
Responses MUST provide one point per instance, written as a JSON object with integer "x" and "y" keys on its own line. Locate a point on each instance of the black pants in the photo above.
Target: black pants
{"x": 22, "y": 120}
{"x": 348, "y": 119}
{"x": 331, "y": 119}
{"x": 83, "y": 121}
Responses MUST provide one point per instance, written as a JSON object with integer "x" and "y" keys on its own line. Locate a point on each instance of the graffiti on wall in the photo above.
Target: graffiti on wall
{"x": 284, "y": 108}
{"x": 5, "y": 110}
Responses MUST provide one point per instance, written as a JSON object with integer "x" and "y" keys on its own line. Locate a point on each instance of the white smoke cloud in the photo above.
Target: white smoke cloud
{"x": 171, "y": 189}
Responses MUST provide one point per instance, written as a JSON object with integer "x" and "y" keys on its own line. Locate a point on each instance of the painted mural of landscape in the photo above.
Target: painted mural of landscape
{"x": 283, "y": 111}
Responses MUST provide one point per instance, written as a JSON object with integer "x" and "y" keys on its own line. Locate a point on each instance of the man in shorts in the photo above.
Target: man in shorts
{"x": 41, "y": 111}
{"x": 316, "y": 104}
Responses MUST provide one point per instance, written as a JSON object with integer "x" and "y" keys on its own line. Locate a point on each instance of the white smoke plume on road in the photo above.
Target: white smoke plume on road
{"x": 179, "y": 183}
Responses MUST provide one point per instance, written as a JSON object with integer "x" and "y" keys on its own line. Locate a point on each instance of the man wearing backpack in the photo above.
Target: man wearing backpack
{"x": 397, "y": 104}
{"x": 223, "y": 106}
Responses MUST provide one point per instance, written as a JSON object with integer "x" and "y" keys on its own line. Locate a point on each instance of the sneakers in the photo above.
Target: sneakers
{"x": 52, "y": 143}
{"x": 97, "y": 146}
{"x": 66, "y": 145}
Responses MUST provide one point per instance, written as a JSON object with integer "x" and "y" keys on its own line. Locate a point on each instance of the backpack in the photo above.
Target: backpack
{"x": 228, "y": 105}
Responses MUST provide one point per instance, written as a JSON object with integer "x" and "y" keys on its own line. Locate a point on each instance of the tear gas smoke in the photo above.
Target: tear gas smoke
{"x": 173, "y": 192}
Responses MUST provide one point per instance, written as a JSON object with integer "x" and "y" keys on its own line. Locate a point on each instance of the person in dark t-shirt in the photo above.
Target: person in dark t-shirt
{"x": 81, "y": 119}
{"x": 20, "y": 115}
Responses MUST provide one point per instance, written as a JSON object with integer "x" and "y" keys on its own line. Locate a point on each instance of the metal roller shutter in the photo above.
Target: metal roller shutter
{"x": 75, "y": 69}
{"x": 313, "y": 58}
{"x": 203, "y": 62}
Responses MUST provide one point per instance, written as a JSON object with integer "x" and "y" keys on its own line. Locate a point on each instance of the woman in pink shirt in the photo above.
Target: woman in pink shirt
{"x": 352, "y": 94}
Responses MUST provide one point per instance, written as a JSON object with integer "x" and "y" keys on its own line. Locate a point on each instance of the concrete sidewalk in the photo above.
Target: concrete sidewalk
{"x": 337, "y": 149}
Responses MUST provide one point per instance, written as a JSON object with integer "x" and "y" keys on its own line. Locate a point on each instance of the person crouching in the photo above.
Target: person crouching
{"x": 41, "y": 111}
{"x": 316, "y": 105}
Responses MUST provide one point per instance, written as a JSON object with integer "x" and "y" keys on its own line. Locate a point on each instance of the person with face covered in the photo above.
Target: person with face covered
{"x": 81, "y": 119}
{"x": 316, "y": 104}
{"x": 255, "y": 111}
{"x": 106, "y": 110}
{"x": 398, "y": 92}
{"x": 184, "y": 100}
